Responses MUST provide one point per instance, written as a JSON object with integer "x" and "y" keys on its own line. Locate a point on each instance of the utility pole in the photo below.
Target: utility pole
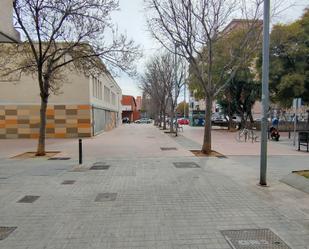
{"x": 265, "y": 94}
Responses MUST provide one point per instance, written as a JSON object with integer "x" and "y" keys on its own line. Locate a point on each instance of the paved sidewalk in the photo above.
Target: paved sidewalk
{"x": 225, "y": 143}
{"x": 157, "y": 205}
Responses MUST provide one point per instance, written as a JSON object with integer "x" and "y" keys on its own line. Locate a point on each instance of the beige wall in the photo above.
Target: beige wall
{"x": 74, "y": 90}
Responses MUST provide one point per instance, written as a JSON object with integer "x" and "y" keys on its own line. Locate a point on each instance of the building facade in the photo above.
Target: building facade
{"x": 86, "y": 106}
{"x": 129, "y": 108}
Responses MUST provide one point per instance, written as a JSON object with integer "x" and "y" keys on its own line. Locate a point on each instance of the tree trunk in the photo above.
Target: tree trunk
{"x": 230, "y": 117}
{"x": 41, "y": 141}
{"x": 206, "y": 148}
{"x": 164, "y": 121}
{"x": 172, "y": 120}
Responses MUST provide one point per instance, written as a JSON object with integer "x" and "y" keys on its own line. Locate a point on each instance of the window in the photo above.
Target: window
{"x": 113, "y": 98}
{"x": 107, "y": 93}
{"x": 96, "y": 88}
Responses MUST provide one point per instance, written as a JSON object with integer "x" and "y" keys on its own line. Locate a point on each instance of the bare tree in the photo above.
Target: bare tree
{"x": 196, "y": 27}
{"x": 67, "y": 34}
{"x": 155, "y": 83}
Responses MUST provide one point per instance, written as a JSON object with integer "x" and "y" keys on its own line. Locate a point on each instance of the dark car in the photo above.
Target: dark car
{"x": 126, "y": 121}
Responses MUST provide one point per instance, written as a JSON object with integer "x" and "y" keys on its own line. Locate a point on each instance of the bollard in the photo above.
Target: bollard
{"x": 289, "y": 134}
{"x": 80, "y": 151}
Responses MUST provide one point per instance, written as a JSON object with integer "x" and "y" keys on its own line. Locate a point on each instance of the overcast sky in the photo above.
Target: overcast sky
{"x": 131, "y": 19}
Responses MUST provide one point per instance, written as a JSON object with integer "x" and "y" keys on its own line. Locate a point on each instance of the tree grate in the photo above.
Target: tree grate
{"x": 59, "y": 158}
{"x": 183, "y": 165}
{"x": 168, "y": 148}
{"x": 6, "y": 231}
{"x": 254, "y": 239}
{"x": 102, "y": 197}
{"x": 99, "y": 166}
{"x": 28, "y": 199}
{"x": 68, "y": 182}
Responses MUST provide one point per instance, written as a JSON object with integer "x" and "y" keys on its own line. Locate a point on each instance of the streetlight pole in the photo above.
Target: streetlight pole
{"x": 265, "y": 94}
{"x": 176, "y": 90}
{"x": 184, "y": 105}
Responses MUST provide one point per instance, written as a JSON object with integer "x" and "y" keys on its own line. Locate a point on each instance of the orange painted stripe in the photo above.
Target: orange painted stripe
{"x": 50, "y": 112}
{"x": 83, "y": 107}
{"x": 11, "y": 121}
{"x": 83, "y": 126}
{"x": 2, "y": 125}
{"x": 50, "y": 125}
{"x": 35, "y": 135}
{"x": 60, "y": 135}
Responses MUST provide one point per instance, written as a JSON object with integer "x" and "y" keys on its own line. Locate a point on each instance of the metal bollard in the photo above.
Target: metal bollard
{"x": 80, "y": 151}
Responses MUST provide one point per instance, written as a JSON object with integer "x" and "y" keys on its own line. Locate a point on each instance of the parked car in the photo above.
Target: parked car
{"x": 235, "y": 119}
{"x": 126, "y": 120}
{"x": 143, "y": 121}
{"x": 183, "y": 121}
{"x": 218, "y": 119}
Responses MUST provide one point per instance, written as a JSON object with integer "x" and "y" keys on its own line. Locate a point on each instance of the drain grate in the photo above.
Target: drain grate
{"x": 99, "y": 166}
{"x": 183, "y": 165}
{"x": 59, "y": 158}
{"x": 28, "y": 199}
{"x": 6, "y": 231}
{"x": 254, "y": 239}
{"x": 168, "y": 148}
{"x": 101, "y": 197}
{"x": 68, "y": 182}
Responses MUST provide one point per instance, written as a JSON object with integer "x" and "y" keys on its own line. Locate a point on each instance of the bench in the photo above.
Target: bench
{"x": 303, "y": 139}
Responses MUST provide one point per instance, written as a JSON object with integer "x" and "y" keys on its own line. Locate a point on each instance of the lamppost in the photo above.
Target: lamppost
{"x": 265, "y": 94}
{"x": 176, "y": 89}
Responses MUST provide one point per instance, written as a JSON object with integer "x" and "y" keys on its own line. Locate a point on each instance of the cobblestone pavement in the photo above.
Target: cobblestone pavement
{"x": 156, "y": 204}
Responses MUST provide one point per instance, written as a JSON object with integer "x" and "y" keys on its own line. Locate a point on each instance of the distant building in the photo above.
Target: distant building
{"x": 139, "y": 103}
{"x": 129, "y": 108}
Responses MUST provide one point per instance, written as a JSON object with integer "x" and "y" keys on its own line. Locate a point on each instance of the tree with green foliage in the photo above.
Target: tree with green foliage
{"x": 240, "y": 95}
{"x": 240, "y": 89}
{"x": 182, "y": 108}
{"x": 289, "y": 61}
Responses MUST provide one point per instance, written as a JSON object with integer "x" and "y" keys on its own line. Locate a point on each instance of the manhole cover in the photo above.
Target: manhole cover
{"x": 6, "y": 231}
{"x": 168, "y": 148}
{"x": 68, "y": 182}
{"x": 254, "y": 239}
{"x": 183, "y": 165}
{"x": 105, "y": 197}
{"x": 59, "y": 158}
{"x": 100, "y": 166}
{"x": 151, "y": 137}
{"x": 29, "y": 199}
